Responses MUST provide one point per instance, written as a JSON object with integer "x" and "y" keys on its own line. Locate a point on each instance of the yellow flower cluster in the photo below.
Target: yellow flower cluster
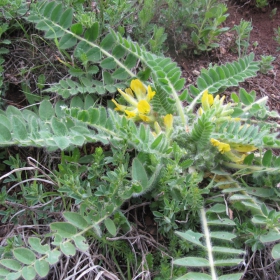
{"x": 207, "y": 100}
{"x": 140, "y": 108}
{"x": 234, "y": 152}
{"x": 222, "y": 147}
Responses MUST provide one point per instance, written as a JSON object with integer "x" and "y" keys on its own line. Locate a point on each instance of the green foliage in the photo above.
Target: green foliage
{"x": 265, "y": 63}
{"x": 194, "y": 24}
{"x": 243, "y": 31}
{"x": 215, "y": 162}
{"x": 261, "y": 3}
{"x": 226, "y": 254}
{"x": 277, "y": 36}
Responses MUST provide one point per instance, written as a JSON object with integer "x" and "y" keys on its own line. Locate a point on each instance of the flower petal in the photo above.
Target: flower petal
{"x": 143, "y": 107}
{"x": 118, "y": 106}
{"x": 128, "y": 98}
{"x": 129, "y": 92}
{"x": 168, "y": 121}
{"x": 130, "y": 114}
{"x": 207, "y": 100}
{"x": 145, "y": 118}
{"x": 150, "y": 94}
{"x": 138, "y": 88}
{"x": 222, "y": 147}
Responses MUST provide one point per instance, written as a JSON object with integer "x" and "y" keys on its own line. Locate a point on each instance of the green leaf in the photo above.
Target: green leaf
{"x": 46, "y": 110}
{"x": 158, "y": 214}
{"x": 224, "y": 221}
{"x": 224, "y": 235}
{"x": 130, "y": 61}
{"x": 245, "y": 97}
{"x": 270, "y": 237}
{"x": 108, "y": 63}
{"x": 249, "y": 159}
{"x": 94, "y": 54}
{"x": 48, "y": 8}
{"x": 64, "y": 229}
{"x": 28, "y": 273}
{"x": 110, "y": 226}
{"x": 236, "y": 276}
{"x": 62, "y": 142}
{"x": 77, "y": 29}
{"x": 5, "y": 134}
{"x": 19, "y": 128}
{"x": 58, "y": 127}
{"x": 227, "y": 250}
{"x": 193, "y": 237}
{"x": 53, "y": 257}
{"x": 217, "y": 208}
{"x": 36, "y": 245}
{"x": 92, "y": 33}
{"x": 157, "y": 141}
{"x": 236, "y": 112}
{"x": 81, "y": 243}
{"x": 120, "y": 74}
{"x": 66, "y": 18}
{"x": 139, "y": 173}
{"x": 42, "y": 268}
{"x": 267, "y": 157}
{"x": 11, "y": 264}
{"x": 68, "y": 249}
{"x": 186, "y": 163}
{"x": 195, "y": 276}
{"x": 12, "y": 111}
{"x": 275, "y": 252}
{"x": 67, "y": 41}
{"x": 258, "y": 219}
{"x": 56, "y": 13}
{"x": 4, "y": 272}
{"x": 192, "y": 262}
{"x": 24, "y": 255}
{"x": 75, "y": 219}
{"x": 5, "y": 121}
{"x": 228, "y": 262}
{"x": 13, "y": 275}
{"x": 57, "y": 239}
{"x": 108, "y": 42}
{"x": 118, "y": 52}
{"x": 179, "y": 85}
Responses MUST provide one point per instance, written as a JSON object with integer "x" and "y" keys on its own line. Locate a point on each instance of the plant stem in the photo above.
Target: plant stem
{"x": 208, "y": 243}
{"x": 250, "y": 167}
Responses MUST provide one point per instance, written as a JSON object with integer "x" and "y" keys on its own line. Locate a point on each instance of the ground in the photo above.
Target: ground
{"x": 261, "y": 43}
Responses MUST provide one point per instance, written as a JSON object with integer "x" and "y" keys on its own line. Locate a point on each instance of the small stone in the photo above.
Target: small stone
{"x": 196, "y": 73}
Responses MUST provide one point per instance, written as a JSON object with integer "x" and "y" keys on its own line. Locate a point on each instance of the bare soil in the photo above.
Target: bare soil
{"x": 261, "y": 43}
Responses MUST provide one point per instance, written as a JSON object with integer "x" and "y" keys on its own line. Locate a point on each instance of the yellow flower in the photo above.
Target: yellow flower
{"x": 222, "y": 147}
{"x": 206, "y": 100}
{"x": 168, "y": 121}
{"x": 138, "y": 88}
{"x": 146, "y": 118}
{"x": 130, "y": 99}
{"x": 118, "y": 106}
{"x": 151, "y": 93}
{"x": 130, "y": 114}
{"x": 140, "y": 108}
{"x": 143, "y": 107}
{"x": 129, "y": 91}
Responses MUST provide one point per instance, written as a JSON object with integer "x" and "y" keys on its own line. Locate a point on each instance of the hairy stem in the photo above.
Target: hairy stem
{"x": 208, "y": 243}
